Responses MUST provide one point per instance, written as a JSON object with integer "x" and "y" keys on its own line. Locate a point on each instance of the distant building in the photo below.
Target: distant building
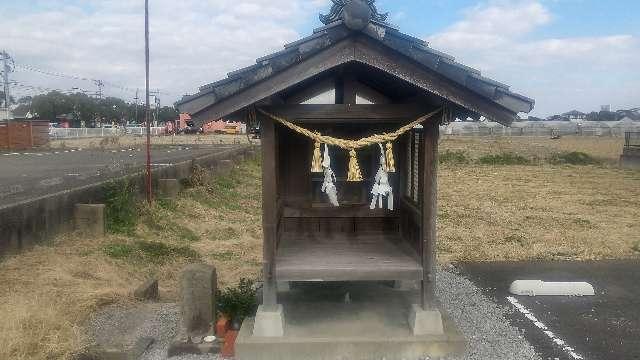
{"x": 575, "y": 116}
{"x": 606, "y": 108}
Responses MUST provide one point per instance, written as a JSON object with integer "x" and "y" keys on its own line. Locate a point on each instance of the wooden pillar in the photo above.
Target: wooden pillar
{"x": 269, "y": 212}
{"x": 429, "y": 203}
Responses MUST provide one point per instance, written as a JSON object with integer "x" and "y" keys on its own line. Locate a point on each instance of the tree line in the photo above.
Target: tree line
{"x": 84, "y": 110}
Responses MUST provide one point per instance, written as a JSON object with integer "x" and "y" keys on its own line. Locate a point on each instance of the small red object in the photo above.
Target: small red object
{"x": 229, "y": 347}
{"x": 222, "y": 325}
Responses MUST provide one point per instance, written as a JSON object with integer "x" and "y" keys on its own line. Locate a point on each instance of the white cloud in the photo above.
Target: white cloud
{"x": 560, "y": 73}
{"x": 192, "y": 41}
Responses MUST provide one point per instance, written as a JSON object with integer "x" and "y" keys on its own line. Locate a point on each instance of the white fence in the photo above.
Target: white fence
{"x": 72, "y": 133}
{"x": 542, "y": 128}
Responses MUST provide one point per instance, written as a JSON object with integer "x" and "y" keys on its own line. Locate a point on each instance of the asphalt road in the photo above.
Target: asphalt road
{"x": 29, "y": 174}
{"x": 601, "y": 327}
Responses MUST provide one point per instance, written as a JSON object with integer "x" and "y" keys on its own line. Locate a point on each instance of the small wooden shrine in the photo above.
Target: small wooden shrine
{"x": 350, "y": 126}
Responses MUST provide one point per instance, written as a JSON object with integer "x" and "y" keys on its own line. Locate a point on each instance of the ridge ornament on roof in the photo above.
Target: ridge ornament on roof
{"x": 356, "y": 14}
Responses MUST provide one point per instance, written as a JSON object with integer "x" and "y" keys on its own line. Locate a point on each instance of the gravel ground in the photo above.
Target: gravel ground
{"x": 482, "y": 322}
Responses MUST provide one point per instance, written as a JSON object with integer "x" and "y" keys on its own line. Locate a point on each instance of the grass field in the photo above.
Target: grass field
{"x": 538, "y": 208}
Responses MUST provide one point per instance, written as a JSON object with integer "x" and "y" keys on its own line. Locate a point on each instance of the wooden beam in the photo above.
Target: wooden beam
{"x": 269, "y": 211}
{"x": 301, "y": 113}
{"x": 428, "y": 236}
{"x": 350, "y": 88}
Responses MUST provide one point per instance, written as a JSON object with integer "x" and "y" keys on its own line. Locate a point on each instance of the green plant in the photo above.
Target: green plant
{"x": 118, "y": 251}
{"x": 121, "y": 207}
{"x": 636, "y": 247}
{"x": 454, "y": 157}
{"x": 573, "y": 158}
{"x": 504, "y": 159}
{"x": 237, "y": 302}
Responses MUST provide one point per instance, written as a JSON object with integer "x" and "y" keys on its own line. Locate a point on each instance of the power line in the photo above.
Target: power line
{"x": 98, "y": 82}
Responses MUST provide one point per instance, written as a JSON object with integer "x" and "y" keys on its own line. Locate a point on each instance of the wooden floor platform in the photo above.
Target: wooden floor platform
{"x": 346, "y": 258}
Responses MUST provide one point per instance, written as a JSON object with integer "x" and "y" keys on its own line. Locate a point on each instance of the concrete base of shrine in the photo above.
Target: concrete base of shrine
{"x": 348, "y": 321}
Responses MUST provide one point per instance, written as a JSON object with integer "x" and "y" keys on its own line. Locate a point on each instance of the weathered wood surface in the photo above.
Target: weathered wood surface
{"x": 269, "y": 211}
{"x": 346, "y": 113}
{"x": 366, "y": 51}
{"x": 429, "y": 168}
{"x": 346, "y": 258}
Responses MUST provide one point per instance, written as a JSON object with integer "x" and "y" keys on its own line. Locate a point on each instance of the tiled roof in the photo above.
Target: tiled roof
{"x": 326, "y": 36}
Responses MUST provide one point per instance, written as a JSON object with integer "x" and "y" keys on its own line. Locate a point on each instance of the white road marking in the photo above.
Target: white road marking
{"x": 553, "y": 337}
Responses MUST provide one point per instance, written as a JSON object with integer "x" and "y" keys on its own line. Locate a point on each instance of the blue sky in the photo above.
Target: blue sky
{"x": 564, "y": 53}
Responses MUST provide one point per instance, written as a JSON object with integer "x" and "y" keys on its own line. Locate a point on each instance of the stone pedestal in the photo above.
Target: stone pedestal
{"x": 89, "y": 219}
{"x": 425, "y": 322}
{"x": 168, "y": 188}
{"x": 269, "y": 323}
{"x": 283, "y": 286}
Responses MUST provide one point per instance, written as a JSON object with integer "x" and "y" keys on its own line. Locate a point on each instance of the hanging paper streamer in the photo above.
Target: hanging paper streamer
{"x": 316, "y": 162}
{"x": 354, "y": 173}
{"x": 329, "y": 186}
{"x": 381, "y": 187}
{"x": 390, "y": 163}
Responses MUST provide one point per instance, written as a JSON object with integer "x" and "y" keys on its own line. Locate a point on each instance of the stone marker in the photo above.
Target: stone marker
{"x": 198, "y": 284}
{"x": 147, "y": 291}
{"x": 168, "y": 188}
{"x": 89, "y": 219}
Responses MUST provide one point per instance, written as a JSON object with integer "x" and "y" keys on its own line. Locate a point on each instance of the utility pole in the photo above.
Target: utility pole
{"x": 100, "y": 85}
{"x": 5, "y": 79}
{"x": 136, "y": 99}
{"x": 147, "y": 108}
{"x": 157, "y": 109}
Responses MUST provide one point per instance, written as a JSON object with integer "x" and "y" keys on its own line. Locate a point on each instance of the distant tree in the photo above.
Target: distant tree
{"x": 167, "y": 113}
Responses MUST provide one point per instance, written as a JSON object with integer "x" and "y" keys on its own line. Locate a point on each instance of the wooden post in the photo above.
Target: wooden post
{"x": 269, "y": 212}
{"x": 428, "y": 233}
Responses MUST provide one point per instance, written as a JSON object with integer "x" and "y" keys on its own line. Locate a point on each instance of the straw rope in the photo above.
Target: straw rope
{"x": 351, "y": 144}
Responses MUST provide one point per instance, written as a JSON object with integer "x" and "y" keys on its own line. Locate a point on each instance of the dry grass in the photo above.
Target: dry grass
{"x": 486, "y": 213}
{"x": 48, "y": 292}
{"x": 126, "y": 141}
{"x": 607, "y": 149}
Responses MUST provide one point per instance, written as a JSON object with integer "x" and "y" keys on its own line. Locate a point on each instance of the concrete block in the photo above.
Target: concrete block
{"x": 168, "y": 188}
{"x": 224, "y": 166}
{"x": 283, "y": 286}
{"x": 269, "y": 323}
{"x": 539, "y": 287}
{"x": 630, "y": 162}
{"x": 90, "y": 219}
{"x": 406, "y": 285}
{"x": 147, "y": 290}
{"x": 425, "y": 322}
{"x": 198, "y": 284}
